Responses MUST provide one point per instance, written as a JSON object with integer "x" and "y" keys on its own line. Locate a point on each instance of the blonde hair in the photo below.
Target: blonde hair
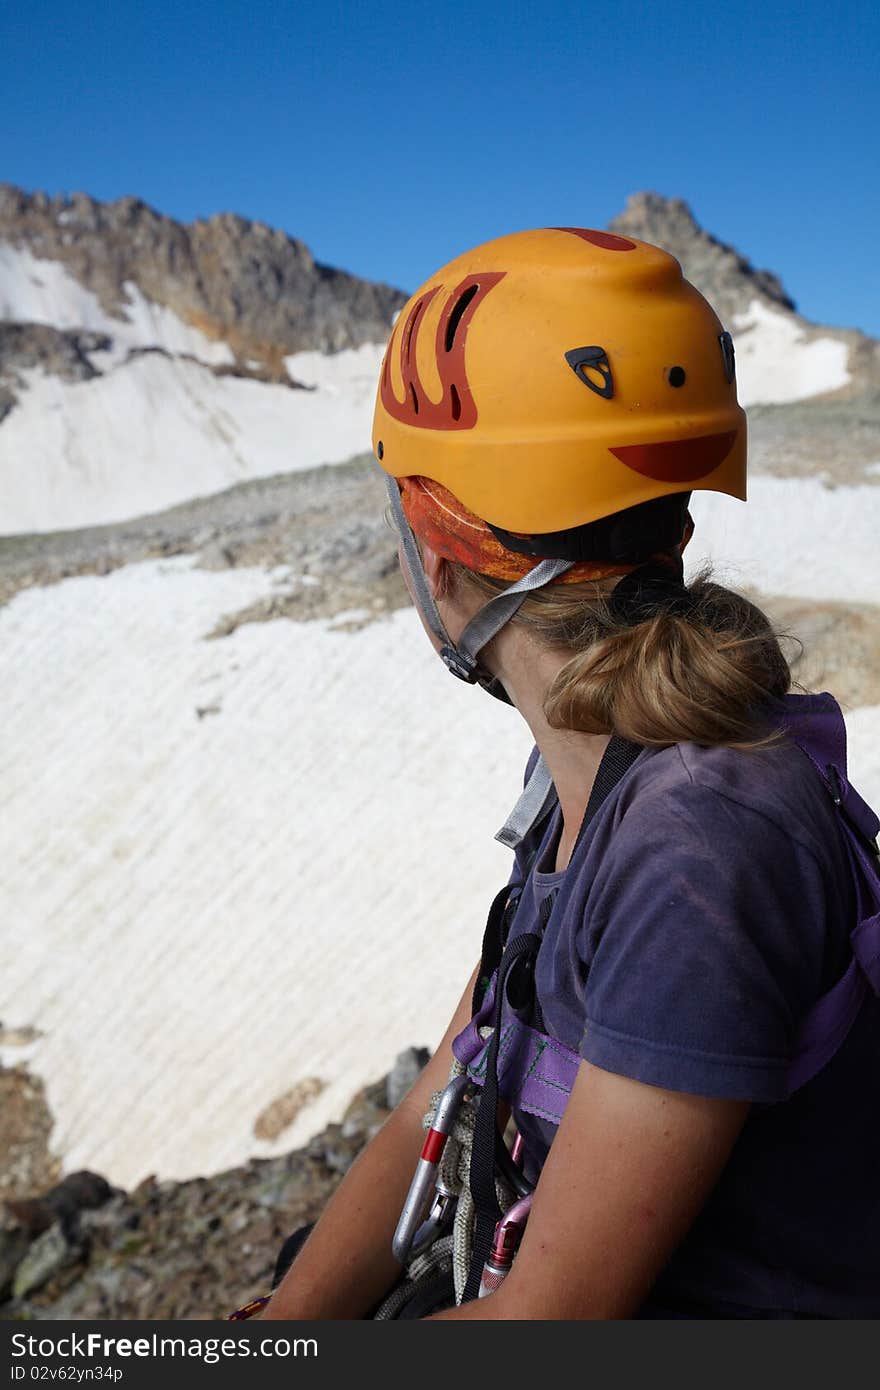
{"x": 710, "y": 676}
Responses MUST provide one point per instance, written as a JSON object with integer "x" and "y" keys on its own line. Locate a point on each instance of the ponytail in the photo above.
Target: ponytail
{"x": 710, "y": 676}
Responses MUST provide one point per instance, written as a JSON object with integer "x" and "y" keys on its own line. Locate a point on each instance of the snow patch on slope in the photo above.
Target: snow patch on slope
{"x": 794, "y": 537}
{"x": 36, "y": 291}
{"x": 340, "y": 373}
{"x": 156, "y": 432}
{"x": 156, "y": 325}
{"x": 863, "y": 752}
{"x": 775, "y": 362}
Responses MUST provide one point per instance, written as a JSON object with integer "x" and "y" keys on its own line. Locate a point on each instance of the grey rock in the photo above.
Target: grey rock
{"x": 80, "y": 1191}
{"x": 341, "y": 1153}
{"x": 48, "y": 1254}
{"x": 366, "y": 1112}
{"x": 14, "y": 1241}
{"x": 28, "y": 1164}
{"x": 406, "y": 1068}
{"x": 65, "y": 353}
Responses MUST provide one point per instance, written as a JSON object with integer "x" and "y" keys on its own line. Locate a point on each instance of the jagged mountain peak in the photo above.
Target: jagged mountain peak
{"x": 727, "y": 278}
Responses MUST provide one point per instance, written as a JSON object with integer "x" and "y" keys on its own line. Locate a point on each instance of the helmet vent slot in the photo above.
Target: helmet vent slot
{"x": 410, "y": 329}
{"x": 414, "y": 398}
{"x": 456, "y": 403}
{"x": 457, "y": 314}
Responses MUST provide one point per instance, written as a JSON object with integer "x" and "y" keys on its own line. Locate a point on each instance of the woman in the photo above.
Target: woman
{"x": 548, "y": 403}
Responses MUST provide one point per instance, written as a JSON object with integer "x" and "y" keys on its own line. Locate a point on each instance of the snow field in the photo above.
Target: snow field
{"x": 156, "y": 432}
{"x": 229, "y": 865}
{"x": 199, "y": 912}
{"x": 793, "y": 537}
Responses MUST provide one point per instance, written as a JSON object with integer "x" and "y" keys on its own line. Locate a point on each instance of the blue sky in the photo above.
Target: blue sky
{"x": 391, "y": 136}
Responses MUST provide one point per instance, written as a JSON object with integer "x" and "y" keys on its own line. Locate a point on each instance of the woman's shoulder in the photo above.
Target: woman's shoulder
{"x": 777, "y": 786}
{"x": 714, "y": 910}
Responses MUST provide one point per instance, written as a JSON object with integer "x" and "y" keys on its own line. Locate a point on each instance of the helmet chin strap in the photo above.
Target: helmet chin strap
{"x": 461, "y": 658}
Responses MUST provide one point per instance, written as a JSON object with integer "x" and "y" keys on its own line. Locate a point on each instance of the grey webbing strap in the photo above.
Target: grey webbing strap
{"x": 538, "y": 797}
{"x": 491, "y": 618}
{"x": 413, "y": 561}
{"x": 461, "y": 659}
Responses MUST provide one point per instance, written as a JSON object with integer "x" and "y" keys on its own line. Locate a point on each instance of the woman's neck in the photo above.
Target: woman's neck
{"x": 572, "y": 758}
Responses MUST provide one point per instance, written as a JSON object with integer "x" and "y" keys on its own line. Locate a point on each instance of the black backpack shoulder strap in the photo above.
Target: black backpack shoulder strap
{"x": 617, "y": 759}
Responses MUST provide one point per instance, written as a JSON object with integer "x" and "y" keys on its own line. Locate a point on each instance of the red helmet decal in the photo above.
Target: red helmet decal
{"x": 606, "y": 240}
{"x": 677, "y": 460}
{"x": 456, "y": 409}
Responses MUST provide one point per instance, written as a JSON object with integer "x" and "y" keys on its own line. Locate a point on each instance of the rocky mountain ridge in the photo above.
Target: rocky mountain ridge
{"x": 251, "y": 285}
{"x": 262, "y": 294}
{"x": 252, "y": 290}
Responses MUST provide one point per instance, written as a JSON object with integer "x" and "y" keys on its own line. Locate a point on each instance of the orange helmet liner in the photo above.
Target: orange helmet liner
{"x": 455, "y": 533}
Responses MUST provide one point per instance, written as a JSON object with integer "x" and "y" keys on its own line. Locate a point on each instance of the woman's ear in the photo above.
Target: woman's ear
{"x": 436, "y": 572}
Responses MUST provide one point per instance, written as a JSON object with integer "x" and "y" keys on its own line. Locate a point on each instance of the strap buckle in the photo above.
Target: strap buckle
{"x": 463, "y": 667}
{"x": 838, "y": 797}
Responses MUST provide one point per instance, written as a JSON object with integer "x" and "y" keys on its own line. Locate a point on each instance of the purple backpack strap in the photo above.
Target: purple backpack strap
{"x": 535, "y": 1072}
{"x": 822, "y": 737}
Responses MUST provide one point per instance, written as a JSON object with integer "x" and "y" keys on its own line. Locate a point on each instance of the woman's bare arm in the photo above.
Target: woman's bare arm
{"x": 627, "y": 1174}
{"x": 346, "y": 1265}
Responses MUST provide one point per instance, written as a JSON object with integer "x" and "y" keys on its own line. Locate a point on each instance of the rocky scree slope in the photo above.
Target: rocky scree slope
{"x": 196, "y": 1249}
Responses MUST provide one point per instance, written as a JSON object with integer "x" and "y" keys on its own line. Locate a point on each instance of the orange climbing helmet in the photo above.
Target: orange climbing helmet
{"x": 542, "y": 384}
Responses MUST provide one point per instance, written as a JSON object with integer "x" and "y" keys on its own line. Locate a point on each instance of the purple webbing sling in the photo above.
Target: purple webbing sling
{"x": 536, "y": 1072}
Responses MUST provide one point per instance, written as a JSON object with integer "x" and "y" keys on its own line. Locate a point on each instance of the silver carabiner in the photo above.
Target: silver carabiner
{"x": 424, "y": 1178}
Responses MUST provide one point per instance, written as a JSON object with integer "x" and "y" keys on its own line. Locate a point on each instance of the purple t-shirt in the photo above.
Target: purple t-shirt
{"x": 705, "y": 909}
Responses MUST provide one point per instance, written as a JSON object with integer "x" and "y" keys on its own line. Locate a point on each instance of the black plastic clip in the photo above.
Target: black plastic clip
{"x": 836, "y": 789}
{"x": 837, "y": 797}
{"x": 520, "y": 987}
{"x": 459, "y": 665}
{"x": 594, "y": 359}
